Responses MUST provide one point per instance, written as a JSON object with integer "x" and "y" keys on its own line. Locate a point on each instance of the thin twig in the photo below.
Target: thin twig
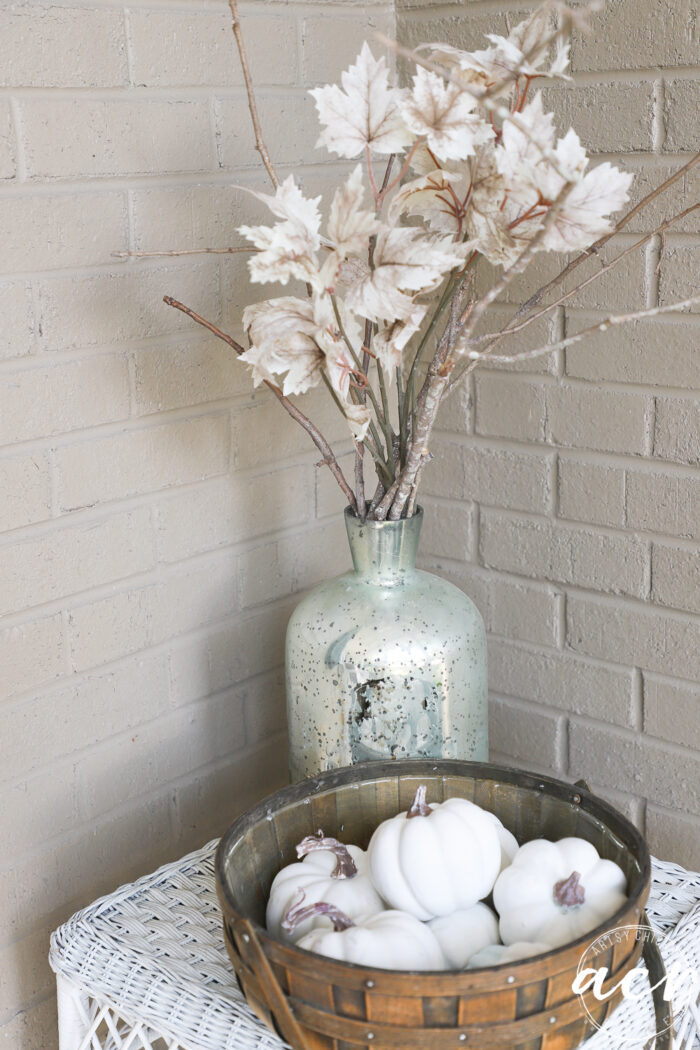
{"x": 602, "y": 326}
{"x": 259, "y": 141}
{"x": 313, "y": 432}
{"x": 188, "y": 251}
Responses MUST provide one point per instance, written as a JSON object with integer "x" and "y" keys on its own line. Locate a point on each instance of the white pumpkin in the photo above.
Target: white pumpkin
{"x": 329, "y": 872}
{"x": 498, "y": 954}
{"x": 464, "y": 933}
{"x": 509, "y": 843}
{"x": 555, "y": 892}
{"x": 435, "y": 859}
{"x": 391, "y": 940}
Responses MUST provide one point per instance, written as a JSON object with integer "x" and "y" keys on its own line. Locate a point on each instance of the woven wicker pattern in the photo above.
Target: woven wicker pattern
{"x": 148, "y": 968}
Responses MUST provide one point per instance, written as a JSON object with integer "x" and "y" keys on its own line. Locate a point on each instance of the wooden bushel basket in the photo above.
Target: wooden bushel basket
{"x": 316, "y": 1003}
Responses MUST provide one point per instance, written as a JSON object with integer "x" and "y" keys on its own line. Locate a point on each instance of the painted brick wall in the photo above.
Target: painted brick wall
{"x": 568, "y": 492}
{"x": 157, "y": 517}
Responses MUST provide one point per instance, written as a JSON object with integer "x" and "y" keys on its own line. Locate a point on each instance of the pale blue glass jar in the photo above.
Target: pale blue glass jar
{"x": 386, "y": 661}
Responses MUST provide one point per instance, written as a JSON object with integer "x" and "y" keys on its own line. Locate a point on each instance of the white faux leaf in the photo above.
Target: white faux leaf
{"x": 519, "y": 156}
{"x": 358, "y": 417}
{"x": 583, "y": 218}
{"x": 290, "y": 203}
{"x": 392, "y": 339}
{"x": 287, "y": 248}
{"x": 364, "y": 112}
{"x": 405, "y": 260}
{"x": 445, "y": 115}
{"x": 349, "y": 225}
{"x": 431, "y": 197}
{"x": 282, "y": 333}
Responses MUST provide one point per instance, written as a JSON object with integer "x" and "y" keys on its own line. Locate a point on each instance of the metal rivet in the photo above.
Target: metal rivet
{"x": 511, "y": 980}
{"x": 552, "y": 1020}
{"x": 370, "y": 1035}
{"x": 369, "y": 984}
{"x": 246, "y": 938}
{"x": 576, "y": 799}
{"x": 462, "y": 1038}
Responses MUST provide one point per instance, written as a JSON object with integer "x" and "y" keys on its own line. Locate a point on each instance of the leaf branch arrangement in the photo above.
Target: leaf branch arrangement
{"x": 388, "y": 322}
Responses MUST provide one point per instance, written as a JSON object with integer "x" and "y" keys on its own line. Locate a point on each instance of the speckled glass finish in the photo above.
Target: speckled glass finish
{"x": 386, "y": 661}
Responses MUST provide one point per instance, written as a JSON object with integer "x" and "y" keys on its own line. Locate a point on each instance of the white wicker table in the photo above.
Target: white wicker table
{"x": 145, "y": 968}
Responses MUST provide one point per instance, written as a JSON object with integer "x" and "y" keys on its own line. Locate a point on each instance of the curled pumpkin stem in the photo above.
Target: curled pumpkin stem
{"x": 569, "y": 892}
{"x": 298, "y": 913}
{"x": 419, "y": 807}
{"x": 345, "y": 867}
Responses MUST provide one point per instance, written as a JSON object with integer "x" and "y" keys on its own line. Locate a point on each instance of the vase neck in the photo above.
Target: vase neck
{"x": 384, "y": 551}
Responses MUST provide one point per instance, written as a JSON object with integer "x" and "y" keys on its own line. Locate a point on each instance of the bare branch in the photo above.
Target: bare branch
{"x": 313, "y": 432}
{"x": 602, "y": 326}
{"x": 259, "y": 141}
{"x": 189, "y": 251}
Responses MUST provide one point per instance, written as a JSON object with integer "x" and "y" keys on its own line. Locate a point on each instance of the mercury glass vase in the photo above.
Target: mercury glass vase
{"x": 385, "y": 661}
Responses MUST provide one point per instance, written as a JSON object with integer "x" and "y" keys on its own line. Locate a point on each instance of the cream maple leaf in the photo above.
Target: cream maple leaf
{"x": 405, "y": 260}
{"x": 431, "y": 197}
{"x": 445, "y": 115}
{"x": 364, "y": 112}
{"x": 287, "y": 248}
{"x": 283, "y": 340}
{"x": 391, "y": 339}
{"x": 584, "y": 215}
{"x": 349, "y": 225}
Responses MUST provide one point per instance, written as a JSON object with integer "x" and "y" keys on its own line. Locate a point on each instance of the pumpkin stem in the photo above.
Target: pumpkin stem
{"x": 297, "y": 913}
{"x": 345, "y": 867}
{"x": 419, "y": 807}
{"x": 569, "y": 892}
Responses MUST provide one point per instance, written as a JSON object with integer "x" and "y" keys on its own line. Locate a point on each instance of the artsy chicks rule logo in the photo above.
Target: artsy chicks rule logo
{"x": 679, "y": 985}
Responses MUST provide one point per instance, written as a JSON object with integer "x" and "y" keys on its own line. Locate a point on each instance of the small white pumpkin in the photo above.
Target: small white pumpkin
{"x": 329, "y": 872}
{"x": 464, "y": 933}
{"x": 555, "y": 892}
{"x": 509, "y": 843}
{"x": 435, "y": 859}
{"x": 498, "y": 954}
{"x": 391, "y": 940}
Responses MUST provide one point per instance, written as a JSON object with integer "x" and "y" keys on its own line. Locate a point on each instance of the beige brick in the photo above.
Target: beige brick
{"x": 177, "y": 48}
{"x": 255, "y": 424}
{"x": 26, "y": 482}
{"x": 583, "y": 416}
{"x": 113, "y": 307}
{"x": 464, "y": 29}
{"x": 63, "y": 396}
{"x": 448, "y": 530}
{"x": 290, "y": 122}
{"x": 248, "y": 645}
{"x": 293, "y": 563}
{"x": 677, "y": 429}
{"x": 31, "y": 654}
{"x": 671, "y": 710}
{"x": 661, "y": 773}
{"x": 621, "y": 39}
{"x": 63, "y": 47}
{"x": 634, "y": 635}
{"x": 133, "y": 462}
{"x": 25, "y": 974}
{"x": 564, "y": 554}
{"x": 562, "y": 681}
{"x": 678, "y": 280}
{"x": 8, "y": 155}
{"x": 191, "y": 217}
{"x": 456, "y": 413}
{"x": 187, "y": 373}
{"x": 673, "y": 836}
{"x": 650, "y": 172}
{"x": 470, "y": 579}
{"x": 681, "y": 101}
{"x": 47, "y": 232}
{"x": 264, "y": 706}
{"x": 17, "y": 309}
{"x": 33, "y": 1028}
{"x": 608, "y": 117}
{"x": 528, "y": 737}
{"x": 231, "y": 509}
{"x": 652, "y": 353}
{"x": 509, "y": 407}
{"x": 133, "y": 620}
{"x": 523, "y": 612}
{"x": 667, "y": 502}
{"x": 38, "y": 808}
{"x": 330, "y": 499}
{"x": 188, "y": 662}
{"x": 82, "y": 713}
{"x": 675, "y": 577}
{"x": 500, "y": 477}
{"x": 117, "y": 136}
{"x": 591, "y": 492}
{"x": 65, "y": 561}
{"x": 619, "y": 290}
{"x": 330, "y": 45}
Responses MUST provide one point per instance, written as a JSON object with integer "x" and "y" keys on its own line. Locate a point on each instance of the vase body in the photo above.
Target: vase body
{"x": 385, "y": 661}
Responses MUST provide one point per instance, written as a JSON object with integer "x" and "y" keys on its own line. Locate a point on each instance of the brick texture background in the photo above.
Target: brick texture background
{"x": 567, "y": 488}
{"x": 158, "y": 516}
{"x": 161, "y": 518}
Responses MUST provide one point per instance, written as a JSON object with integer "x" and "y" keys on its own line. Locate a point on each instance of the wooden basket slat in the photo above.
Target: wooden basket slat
{"x": 335, "y": 1002}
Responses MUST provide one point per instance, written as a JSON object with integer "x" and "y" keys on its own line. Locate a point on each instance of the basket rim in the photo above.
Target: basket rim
{"x": 528, "y": 968}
